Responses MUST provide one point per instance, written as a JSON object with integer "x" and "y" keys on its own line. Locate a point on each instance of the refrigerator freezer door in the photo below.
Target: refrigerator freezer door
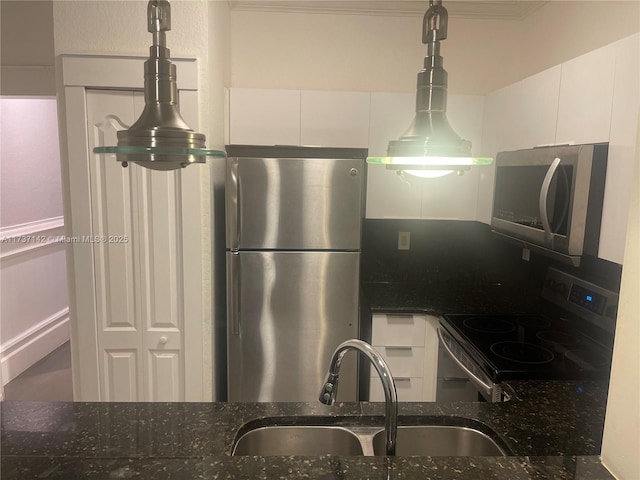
{"x": 294, "y": 203}
{"x": 293, "y": 309}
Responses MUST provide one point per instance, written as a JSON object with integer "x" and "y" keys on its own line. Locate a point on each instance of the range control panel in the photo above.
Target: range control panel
{"x": 591, "y": 302}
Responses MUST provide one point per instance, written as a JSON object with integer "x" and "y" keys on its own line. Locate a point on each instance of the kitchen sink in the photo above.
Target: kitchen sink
{"x": 438, "y": 440}
{"x": 299, "y": 440}
{"x": 363, "y": 439}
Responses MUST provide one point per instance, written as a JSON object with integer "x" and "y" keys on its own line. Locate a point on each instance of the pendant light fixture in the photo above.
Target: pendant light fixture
{"x": 160, "y": 139}
{"x": 430, "y": 147}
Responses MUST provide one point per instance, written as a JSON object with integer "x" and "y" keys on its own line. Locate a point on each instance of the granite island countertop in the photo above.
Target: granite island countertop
{"x": 553, "y": 430}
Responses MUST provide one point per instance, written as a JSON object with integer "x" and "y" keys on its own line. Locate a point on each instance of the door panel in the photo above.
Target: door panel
{"x": 294, "y": 204}
{"x": 121, "y": 375}
{"x": 294, "y": 310}
{"x": 165, "y": 379}
{"x": 138, "y": 248}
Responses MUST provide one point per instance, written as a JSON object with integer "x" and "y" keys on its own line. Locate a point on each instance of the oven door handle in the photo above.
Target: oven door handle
{"x": 544, "y": 196}
{"x": 488, "y": 389}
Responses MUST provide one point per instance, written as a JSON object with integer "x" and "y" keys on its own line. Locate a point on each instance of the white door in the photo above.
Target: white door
{"x": 138, "y": 311}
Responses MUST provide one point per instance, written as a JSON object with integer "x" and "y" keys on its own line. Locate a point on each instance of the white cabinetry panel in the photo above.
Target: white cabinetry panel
{"x": 403, "y": 361}
{"x": 455, "y": 197}
{"x": 409, "y": 344}
{"x": 390, "y": 195}
{"x": 622, "y": 149}
{"x": 398, "y": 330}
{"x": 264, "y": 117}
{"x": 539, "y": 108}
{"x": 393, "y": 196}
{"x": 391, "y": 115}
{"x": 334, "y": 119}
{"x": 407, "y": 389}
{"x": 586, "y": 91}
{"x": 521, "y": 115}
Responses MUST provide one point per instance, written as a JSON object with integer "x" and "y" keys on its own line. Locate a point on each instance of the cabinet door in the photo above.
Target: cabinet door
{"x": 586, "y": 90}
{"x": 264, "y": 117}
{"x": 623, "y": 151}
{"x": 140, "y": 268}
{"x": 389, "y": 195}
{"x": 455, "y": 197}
{"x": 113, "y": 206}
{"x": 334, "y": 119}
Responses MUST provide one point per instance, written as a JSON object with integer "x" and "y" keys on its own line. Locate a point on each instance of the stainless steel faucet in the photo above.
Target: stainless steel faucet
{"x": 330, "y": 386}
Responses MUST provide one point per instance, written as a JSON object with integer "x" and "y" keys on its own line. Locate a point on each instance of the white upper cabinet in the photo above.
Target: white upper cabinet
{"x": 521, "y": 115}
{"x": 454, "y": 197}
{"x": 539, "y": 108}
{"x": 388, "y": 194}
{"x": 622, "y": 149}
{"x": 264, "y": 117}
{"x": 586, "y": 91}
{"x": 334, "y": 119}
{"x": 592, "y": 98}
{"x": 392, "y": 196}
{"x": 501, "y": 120}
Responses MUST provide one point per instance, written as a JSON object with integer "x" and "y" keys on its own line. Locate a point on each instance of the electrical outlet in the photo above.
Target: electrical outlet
{"x": 404, "y": 240}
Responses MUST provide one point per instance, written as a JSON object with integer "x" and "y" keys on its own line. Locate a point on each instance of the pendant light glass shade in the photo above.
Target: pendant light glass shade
{"x": 160, "y": 139}
{"x": 430, "y": 143}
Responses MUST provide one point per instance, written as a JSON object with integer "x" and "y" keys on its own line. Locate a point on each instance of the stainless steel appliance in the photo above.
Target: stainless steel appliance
{"x": 294, "y": 218}
{"x": 571, "y": 338}
{"x": 549, "y": 199}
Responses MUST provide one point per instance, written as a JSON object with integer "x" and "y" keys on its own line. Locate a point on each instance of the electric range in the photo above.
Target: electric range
{"x": 570, "y": 339}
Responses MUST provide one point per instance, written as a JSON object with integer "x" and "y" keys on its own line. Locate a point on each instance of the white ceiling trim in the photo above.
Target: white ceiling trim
{"x": 479, "y": 9}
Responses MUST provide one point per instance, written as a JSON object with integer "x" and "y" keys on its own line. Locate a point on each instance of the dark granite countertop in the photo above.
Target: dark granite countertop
{"x": 553, "y": 430}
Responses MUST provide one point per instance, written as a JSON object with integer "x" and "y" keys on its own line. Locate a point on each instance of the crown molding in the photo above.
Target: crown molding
{"x": 479, "y": 9}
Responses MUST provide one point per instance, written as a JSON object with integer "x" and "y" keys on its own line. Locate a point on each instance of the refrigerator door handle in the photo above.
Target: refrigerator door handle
{"x": 233, "y": 293}
{"x": 235, "y": 217}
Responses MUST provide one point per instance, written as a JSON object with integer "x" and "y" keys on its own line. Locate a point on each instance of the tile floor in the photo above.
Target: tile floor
{"x": 48, "y": 380}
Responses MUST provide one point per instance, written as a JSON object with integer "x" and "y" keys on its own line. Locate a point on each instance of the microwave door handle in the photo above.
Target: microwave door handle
{"x": 474, "y": 378}
{"x": 544, "y": 195}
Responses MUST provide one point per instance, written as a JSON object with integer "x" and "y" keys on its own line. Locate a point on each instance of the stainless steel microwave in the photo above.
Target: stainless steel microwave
{"x": 549, "y": 199}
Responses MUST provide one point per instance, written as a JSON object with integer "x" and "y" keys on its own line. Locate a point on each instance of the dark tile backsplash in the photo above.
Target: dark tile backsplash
{"x": 461, "y": 250}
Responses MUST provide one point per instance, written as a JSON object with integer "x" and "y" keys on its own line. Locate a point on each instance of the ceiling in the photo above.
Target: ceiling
{"x": 495, "y": 9}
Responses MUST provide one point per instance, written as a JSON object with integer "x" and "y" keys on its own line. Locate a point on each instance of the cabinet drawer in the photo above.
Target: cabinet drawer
{"x": 408, "y": 389}
{"x": 398, "y": 330}
{"x": 403, "y": 361}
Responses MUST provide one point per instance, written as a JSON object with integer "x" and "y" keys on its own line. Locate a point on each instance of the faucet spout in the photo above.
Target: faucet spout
{"x": 330, "y": 386}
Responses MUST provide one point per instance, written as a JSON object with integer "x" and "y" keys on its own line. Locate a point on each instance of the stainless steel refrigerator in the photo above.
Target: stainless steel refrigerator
{"x": 293, "y": 226}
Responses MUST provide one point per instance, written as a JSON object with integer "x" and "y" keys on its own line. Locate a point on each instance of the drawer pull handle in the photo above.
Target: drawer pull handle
{"x": 455, "y": 379}
{"x": 402, "y": 379}
{"x": 397, "y": 347}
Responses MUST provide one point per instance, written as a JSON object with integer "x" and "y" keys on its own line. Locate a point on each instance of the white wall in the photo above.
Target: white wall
{"x": 621, "y": 442}
{"x": 30, "y": 181}
{"x": 311, "y": 51}
{"x": 365, "y": 53}
{"x": 26, "y": 46}
{"x": 562, "y": 30}
{"x": 34, "y": 306}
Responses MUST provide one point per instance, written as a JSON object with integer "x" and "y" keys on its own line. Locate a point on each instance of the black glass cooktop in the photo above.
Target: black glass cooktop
{"x": 529, "y": 347}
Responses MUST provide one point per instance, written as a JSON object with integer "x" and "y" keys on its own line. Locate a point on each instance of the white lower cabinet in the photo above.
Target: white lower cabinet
{"x": 409, "y": 345}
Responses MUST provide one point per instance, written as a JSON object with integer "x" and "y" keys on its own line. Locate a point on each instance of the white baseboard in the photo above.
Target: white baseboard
{"x": 22, "y": 351}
